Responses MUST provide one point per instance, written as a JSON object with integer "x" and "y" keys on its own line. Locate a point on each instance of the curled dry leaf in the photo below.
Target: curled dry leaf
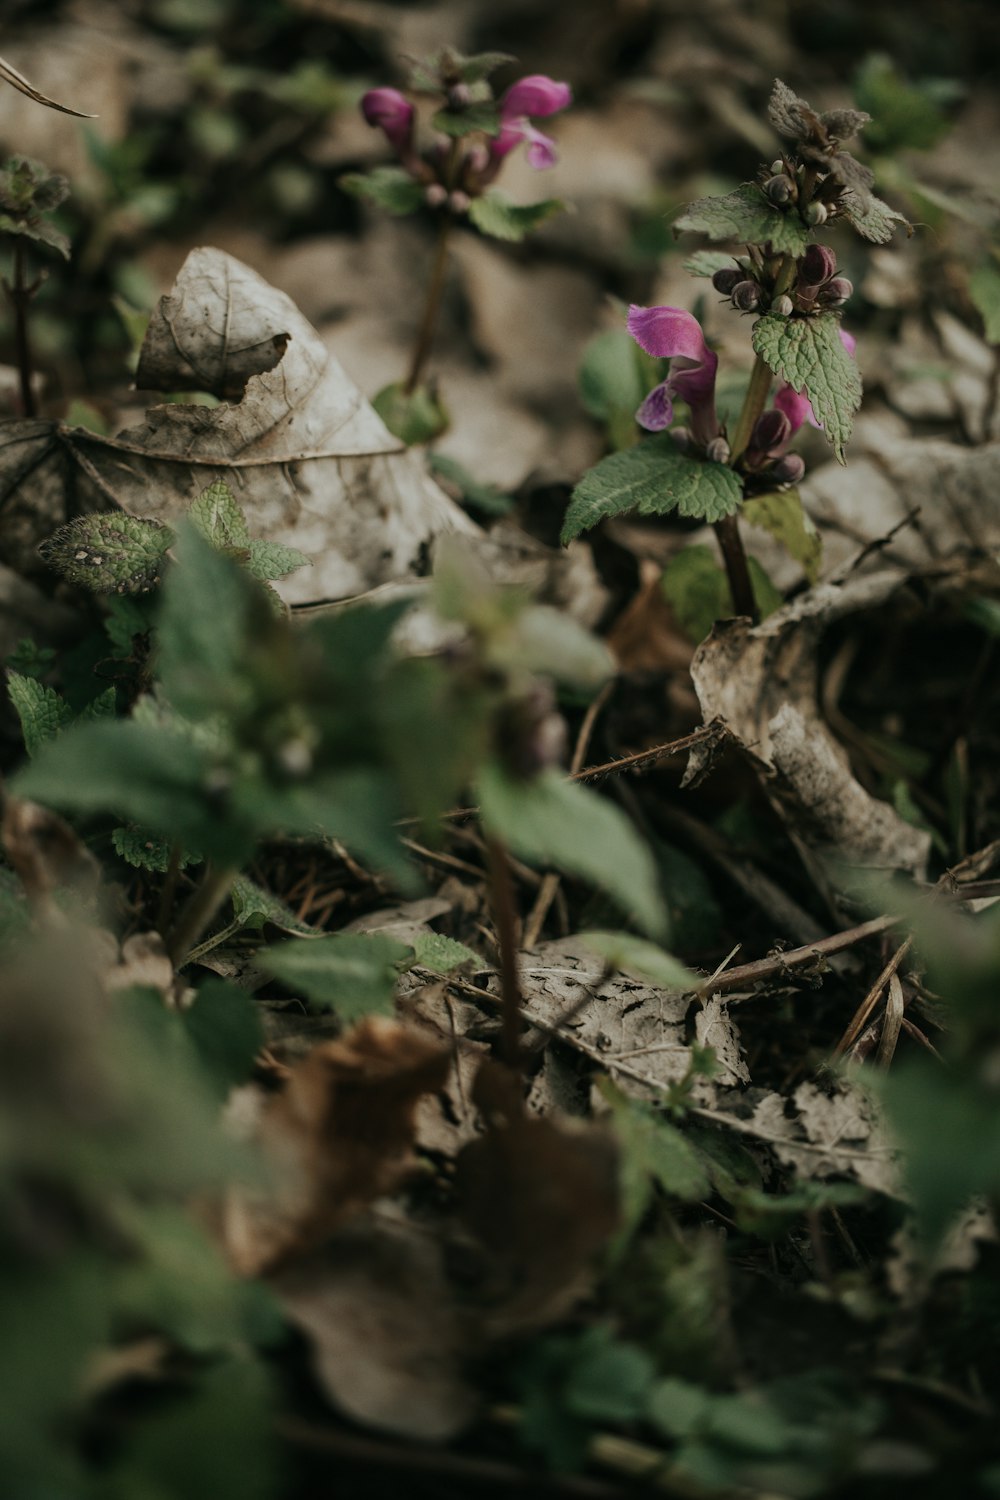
{"x": 762, "y": 682}
{"x": 541, "y": 1197}
{"x": 836, "y": 1132}
{"x": 335, "y": 1138}
{"x": 305, "y": 455}
{"x": 386, "y": 1337}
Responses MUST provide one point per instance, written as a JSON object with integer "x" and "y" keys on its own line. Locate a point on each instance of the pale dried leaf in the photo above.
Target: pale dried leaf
{"x": 833, "y": 1133}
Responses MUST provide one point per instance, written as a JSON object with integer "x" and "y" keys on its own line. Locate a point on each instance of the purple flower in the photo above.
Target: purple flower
{"x": 535, "y": 95}
{"x": 795, "y": 405}
{"x": 393, "y": 113}
{"x": 671, "y": 333}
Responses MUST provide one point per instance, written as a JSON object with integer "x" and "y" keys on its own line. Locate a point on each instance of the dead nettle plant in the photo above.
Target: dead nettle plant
{"x": 788, "y": 283}
{"x": 453, "y": 177}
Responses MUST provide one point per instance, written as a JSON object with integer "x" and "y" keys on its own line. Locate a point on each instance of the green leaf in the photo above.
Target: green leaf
{"x": 746, "y": 215}
{"x": 146, "y": 851}
{"x": 266, "y": 560}
{"x": 390, "y": 187}
{"x": 697, "y": 589}
{"x": 634, "y": 955}
{"x": 253, "y": 907}
{"x": 707, "y": 262}
{"x": 782, "y": 515}
{"x": 808, "y": 355}
{"x": 104, "y": 706}
{"x": 494, "y": 214}
{"x": 217, "y": 516}
{"x": 608, "y": 1380}
{"x": 484, "y": 116}
{"x": 550, "y": 821}
{"x": 440, "y": 954}
{"x": 550, "y": 642}
{"x": 654, "y": 1153}
{"x": 653, "y": 478}
{"x": 873, "y": 219}
{"x": 486, "y": 498}
{"x": 42, "y": 711}
{"x": 984, "y": 289}
{"x": 417, "y": 416}
{"x": 355, "y": 973}
{"x": 904, "y": 115}
{"x": 224, "y": 1027}
{"x": 109, "y": 552}
{"x": 613, "y": 378}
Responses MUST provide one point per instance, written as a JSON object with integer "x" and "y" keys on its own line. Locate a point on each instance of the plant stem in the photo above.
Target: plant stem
{"x": 425, "y": 336}
{"x": 207, "y": 897}
{"x": 20, "y": 296}
{"x": 753, "y": 405}
{"x": 727, "y": 533}
{"x": 504, "y": 914}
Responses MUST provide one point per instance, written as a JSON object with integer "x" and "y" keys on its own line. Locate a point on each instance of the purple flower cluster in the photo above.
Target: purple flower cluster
{"x": 479, "y": 164}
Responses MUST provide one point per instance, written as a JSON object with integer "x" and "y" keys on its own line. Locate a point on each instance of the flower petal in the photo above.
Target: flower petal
{"x": 668, "y": 331}
{"x": 657, "y": 411}
{"x": 535, "y": 95}
{"x": 794, "y": 406}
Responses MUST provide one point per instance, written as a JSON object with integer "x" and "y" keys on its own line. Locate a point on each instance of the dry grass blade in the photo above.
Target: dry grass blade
{"x": 892, "y": 1023}
{"x": 18, "y": 81}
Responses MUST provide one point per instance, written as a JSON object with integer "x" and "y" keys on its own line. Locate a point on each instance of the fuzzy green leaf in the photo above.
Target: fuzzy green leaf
{"x": 653, "y": 478}
{"x": 808, "y": 354}
{"x": 253, "y": 906}
{"x": 707, "y": 262}
{"x": 746, "y": 215}
{"x": 390, "y": 187}
{"x": 417, "y": 416}
{"x": 636, "y": 955}
{"x": 984, "y": 289}
{"x": 781, "y": 514}
{"x": 654, "y": 1153}
{"x": 440, "y": 954}
{"x": 217, "y": 516}
{"x": 495, "y": 215}
{"x": 697, "y": 590}
{"x": 109, "y": 552}
{"x": 145, "y": 850}
{"x": 483, "y": 116}
{"x": 225, "y": 1028}
{"x": 551, "y": 821}
{"x": 41, "y": 710}
{"x": 873, "y": 219}
{"x": 353, "y": 972}
{"x": 267, "y": 560}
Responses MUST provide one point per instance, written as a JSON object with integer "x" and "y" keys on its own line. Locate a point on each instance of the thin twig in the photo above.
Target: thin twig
{"x": 777, "y": 963}
{"x": 505, "y": 917}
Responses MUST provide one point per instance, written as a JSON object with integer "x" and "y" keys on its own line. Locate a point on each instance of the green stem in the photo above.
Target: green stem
{"x": 504, "y": 914}
{"x": 753, "y": 405}
{"x": 425, "y": 335}
{"x": 207, "y": 897}
{"x": 727, "y": 534}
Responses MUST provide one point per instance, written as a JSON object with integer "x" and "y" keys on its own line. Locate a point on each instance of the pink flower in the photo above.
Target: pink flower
{"x": 393, "y": 113}
{"x": 671, "y": 333}
{"x": 535, "y": 95}
{"x": 795, "y": 405}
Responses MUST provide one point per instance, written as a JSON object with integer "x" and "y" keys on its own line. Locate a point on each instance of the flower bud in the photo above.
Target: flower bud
{"x": 459, "y": 96}
{"x": 435, "y": 195}
{"x": 836, "y": 291}
{"x": 816, "y": 214}
{"x": 777, "y": 166}
{"x": 770, "y": 431}
{"x": 780, "y": 189}
{"x": 726, "y": 279}
{"x": 459, "y": 202}
{"x": 788, "y": 470}
{"x": 817, "y": 265}
{"x": 718, "y": 451}
{"x": 392, "y": 113}
{"x": 746, "y": 296}
{"x": 783, "y": 306}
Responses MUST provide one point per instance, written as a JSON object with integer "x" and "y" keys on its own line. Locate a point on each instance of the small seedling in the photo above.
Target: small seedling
{"x": 29, "y": 193}
{"x": 789, "y": 284}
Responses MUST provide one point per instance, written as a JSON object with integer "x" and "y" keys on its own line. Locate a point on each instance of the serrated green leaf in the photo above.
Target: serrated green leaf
{"x": 253, "y": 906}
{"x": 127, "y": 617}
{"x": 42, "y": 711}
{"x": 635, "y": 955}
{"x": 109, "y": 552}
{"x": 873, "y": 219}
{"x": 355, "y": 973}
{"x": 390, "y": 187}
{"x": 267, "y": 560}
{"x": 224, "y": 1027}
{"x": 494, "y": 214}
{"x": 147, "y": 851}
{"x": 654, "y": 1153}
{"x": 550, "y": 821}
{"x": 440, "y": 954}
{"x": 104, "y": 706}
{"x": 654, "y": 478}
{"x": 417, "y": 416}
{"x": 984, "y": 289}
{"x": 808, "y": 355}
{"x": 218, "y": 517}
{"x": 483, "y": 116}
{"x": 707, "y": 262}
{"x": 781, "y": 514}
{"x": 746, "y": 215}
